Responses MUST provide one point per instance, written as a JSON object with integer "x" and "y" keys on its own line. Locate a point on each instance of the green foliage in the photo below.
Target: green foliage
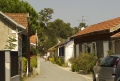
{"x": 110, "y": 52}
{"x": 82, "y": 25}
{"x": 50, "y": 32}
{"x": 24, "y": 45}
{"x": 33, "y": 62}
{"x": 24, "y": 61}
{"x": 84, "y": 62}
{"x": 59, "y": 61}
{"x": 45, "y": 15}
{"x": 60, "y": 29}
{"x": 52, "y": 60}
{"x": 22, "y": 79}
{"x": 11, "y": 44}
{"x": 20, "y": 6}
{"x": 75, "y": 67}
{"x": 33, "y": 50}
{"x": 75, "y": 30}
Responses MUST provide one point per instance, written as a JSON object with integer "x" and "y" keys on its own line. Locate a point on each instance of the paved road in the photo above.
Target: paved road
{"x": 52, "y": 72}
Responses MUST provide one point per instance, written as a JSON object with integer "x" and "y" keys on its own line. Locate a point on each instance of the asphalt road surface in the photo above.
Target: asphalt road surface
{"x": 52, "y": 72}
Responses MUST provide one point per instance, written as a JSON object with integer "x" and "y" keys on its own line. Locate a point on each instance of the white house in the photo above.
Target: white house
{"x": 69, "y": 51}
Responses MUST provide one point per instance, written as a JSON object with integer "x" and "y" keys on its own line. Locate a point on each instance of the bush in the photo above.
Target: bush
{"x": 33, "y": 50}
{"x": 57, "y": 60}
{"x": 52, "y": 60}
{"x": 24, "y": 61}
{"x": 84, "y": 62}
{"x": 110, "y": 52}
{"x": 75, "y": 67}
{"x": 33, "y": 62}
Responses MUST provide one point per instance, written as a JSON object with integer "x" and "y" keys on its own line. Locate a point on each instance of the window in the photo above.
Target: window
{"x": 108, "y": 61}
{"x": 89, "y": 48}
{"x": 13, "y": 31}
{"x": 99, "y": 61}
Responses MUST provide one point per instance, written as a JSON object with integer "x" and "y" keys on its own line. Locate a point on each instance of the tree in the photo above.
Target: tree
{"x": 11, "y": 44}
{"x": 20, "y": 6}
{"x": 45, "y": 15}
{"x": 60, "y": 29}
{"x": 75, "y": 30}
{"x": 82, "y": 25}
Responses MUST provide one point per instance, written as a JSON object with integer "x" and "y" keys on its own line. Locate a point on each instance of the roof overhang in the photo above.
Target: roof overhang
{"x": 12, "y": 21}
{"x": 91, "y": 33}
{"x": 115, "y": 28}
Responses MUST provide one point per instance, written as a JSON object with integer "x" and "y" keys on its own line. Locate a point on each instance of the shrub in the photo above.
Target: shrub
{"x": 52, "y": 60}
{"x": 110, "y": 52}
{"x": 33, "y": 62}
{"x": 33, "y": 50}
{"x": 75, "y": 67}
{"x": 84, "y": 62}
{"x": 24, "y": 61}
{"x": 59, "y": 61}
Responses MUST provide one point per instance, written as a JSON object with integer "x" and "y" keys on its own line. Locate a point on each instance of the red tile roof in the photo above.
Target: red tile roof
{"x": 106, "y": 25}
{"x": 116, "y": 35}
{"x": 33, "y": 39}
{"x": 20, "y": 18}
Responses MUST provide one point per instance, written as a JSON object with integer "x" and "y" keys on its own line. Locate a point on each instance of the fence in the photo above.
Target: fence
{"x": 2, "y": 65}
{"x": 9, "y": 65}
{"x": 14, "y": 63}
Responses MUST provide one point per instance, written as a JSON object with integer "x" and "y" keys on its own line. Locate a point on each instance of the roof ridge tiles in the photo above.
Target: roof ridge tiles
{"x": 100, "y": 26}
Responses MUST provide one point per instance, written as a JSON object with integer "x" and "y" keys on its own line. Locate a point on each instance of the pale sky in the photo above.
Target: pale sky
{"x": 70, "y": 11}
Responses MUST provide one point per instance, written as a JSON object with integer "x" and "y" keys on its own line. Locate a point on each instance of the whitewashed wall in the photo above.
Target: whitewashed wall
{"x": 69, "y": 51}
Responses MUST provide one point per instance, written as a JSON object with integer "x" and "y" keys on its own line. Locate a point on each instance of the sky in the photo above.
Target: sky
{"x": 74, "y": 11}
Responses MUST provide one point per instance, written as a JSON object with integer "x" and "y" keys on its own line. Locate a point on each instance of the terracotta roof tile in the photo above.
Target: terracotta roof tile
{"x": 116, "y": 35}
{"x": 20, "y": 18}
{"x": 106, "y": 25}
{"x": 33, "y": 39}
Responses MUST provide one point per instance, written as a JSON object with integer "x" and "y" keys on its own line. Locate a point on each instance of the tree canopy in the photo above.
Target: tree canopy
{"x": 20, "y": 6}
{"x": 48, "y": 32}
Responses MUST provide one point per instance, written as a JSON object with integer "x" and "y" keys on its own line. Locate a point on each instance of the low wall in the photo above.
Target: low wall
{"x": 15, "y": 78}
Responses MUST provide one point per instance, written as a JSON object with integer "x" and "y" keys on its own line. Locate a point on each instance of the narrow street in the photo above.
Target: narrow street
{"x": 52, "y": 72}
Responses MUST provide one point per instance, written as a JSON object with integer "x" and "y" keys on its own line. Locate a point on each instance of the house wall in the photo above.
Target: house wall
{"x": 117, "y": 47}
{"x": 69, "y": 50}
{"x": 5, "y": 31}
{"x": 80, "y": 47}
{"x": 99, "y": 51}
{"x": 93, "y": 37}
{"x": 9, "y": 30}
{"x": 99, "y": 45}
{"x": 98, "y": 40}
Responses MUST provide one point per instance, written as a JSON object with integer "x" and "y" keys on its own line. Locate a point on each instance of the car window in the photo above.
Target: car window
{"x": 99, "y": 61}
{"x": 108, "y": 61}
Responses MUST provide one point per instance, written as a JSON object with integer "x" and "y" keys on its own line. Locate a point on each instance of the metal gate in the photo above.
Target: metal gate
{"x": 2, "y": 65}
{"x": 14, "y": 63}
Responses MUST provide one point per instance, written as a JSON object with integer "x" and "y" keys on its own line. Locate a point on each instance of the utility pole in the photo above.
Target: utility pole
{"x": 28, "y": 19}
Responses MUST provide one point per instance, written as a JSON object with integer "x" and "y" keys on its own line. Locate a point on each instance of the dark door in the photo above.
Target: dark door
{"x": 2, "y": 65}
